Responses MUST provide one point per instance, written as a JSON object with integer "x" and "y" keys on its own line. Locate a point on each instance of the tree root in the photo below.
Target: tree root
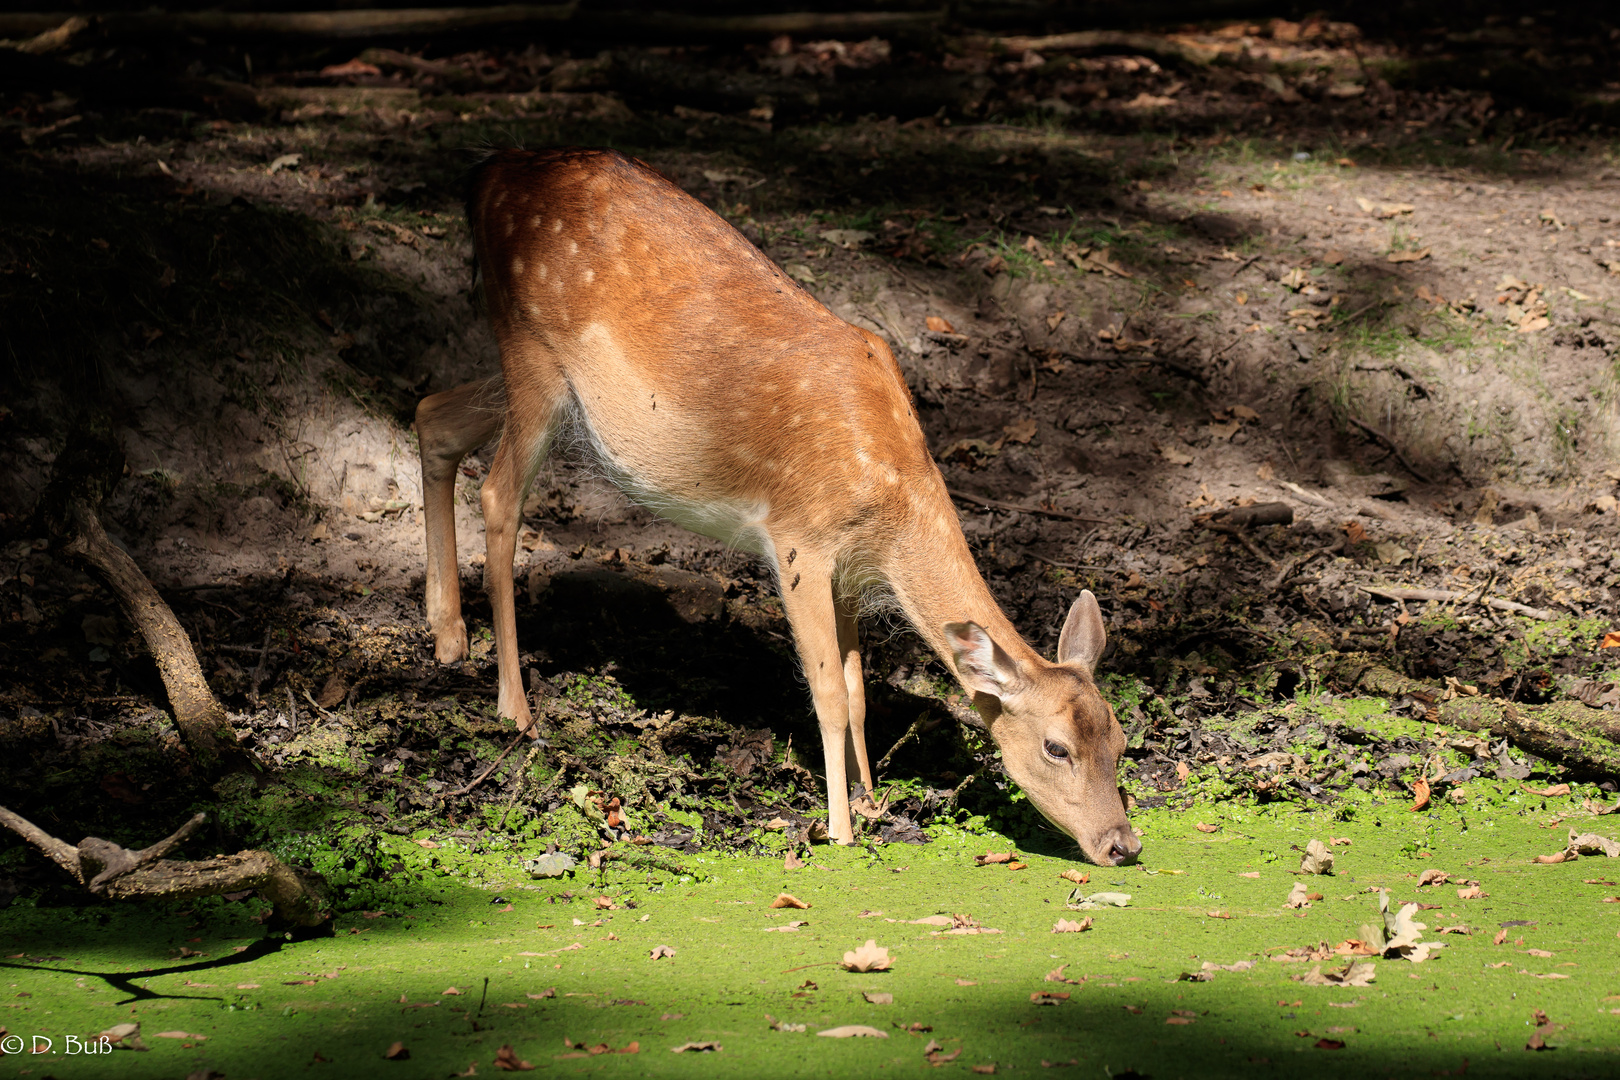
{"x": 84, "y": 474}
{"x": 1577, "y": 736}
{"x": 117, "y": 873}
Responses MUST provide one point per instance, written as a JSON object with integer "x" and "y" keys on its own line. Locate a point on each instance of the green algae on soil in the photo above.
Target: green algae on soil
{"x": 463, "y": 963}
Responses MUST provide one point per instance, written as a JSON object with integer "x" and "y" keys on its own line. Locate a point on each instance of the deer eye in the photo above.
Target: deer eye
{"x": 1057, "y": 750}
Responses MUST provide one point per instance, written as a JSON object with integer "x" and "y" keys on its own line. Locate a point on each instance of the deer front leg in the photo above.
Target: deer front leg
{"x": 849, "y": 652}
{"x": 449, "y": 425}
{"x": 808, "y": 601}
{"x": 513, "y": 469}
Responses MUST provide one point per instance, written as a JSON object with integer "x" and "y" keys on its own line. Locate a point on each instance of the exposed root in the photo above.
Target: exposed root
{"x": 118, "y": 873}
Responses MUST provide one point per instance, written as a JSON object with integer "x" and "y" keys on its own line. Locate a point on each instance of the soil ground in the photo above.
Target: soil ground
{"x": 1368, "y": 272}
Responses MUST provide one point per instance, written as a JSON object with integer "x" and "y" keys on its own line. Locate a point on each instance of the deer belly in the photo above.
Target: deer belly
{"x": 647, "y": 465}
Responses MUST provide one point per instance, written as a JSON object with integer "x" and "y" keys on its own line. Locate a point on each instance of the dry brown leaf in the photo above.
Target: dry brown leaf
{"x": 1420, "y": 793}
{"x": 1206, "y": 828}
{"x": 940, "y": 325}
{"x": 869, "y": 957}
{"x": 397, "y": 1052}
{"x": 1075, "y": 876}
{"x": 1501, "y": 936}
{"x": 788, "y": 900}
{"x": 1017, "y": 866}
{"x": 1048, "y": 997}
{"x": 1408, "y": 256}
{"x": 990, "y": 858}
{"x": 1558, "y": 857}
{"x": 1218, "y": 914}
{"x": 696, "y": 1047}
{"x": 659, "y": 952}
{"x": 1473, "y": 892}
{"x": 1549, "y": 792}
{"x": 792, "y": 862}
{"x": 1611, "y": 640}
{"x": 852, "y": 1031}
{"x": 1432, "y": 877}
{"x": 1069, "y": 926}
{"x": 506, "y": 1060}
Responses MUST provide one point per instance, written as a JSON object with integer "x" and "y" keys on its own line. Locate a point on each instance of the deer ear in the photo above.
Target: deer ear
{"x": 1084, "y": 637}
{"x": 980, "y": 664}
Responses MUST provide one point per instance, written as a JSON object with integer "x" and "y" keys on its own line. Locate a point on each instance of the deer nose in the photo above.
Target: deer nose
{"x": 1126, "y": 846}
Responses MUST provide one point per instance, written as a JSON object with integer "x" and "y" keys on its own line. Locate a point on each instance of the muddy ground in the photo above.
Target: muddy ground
{"x": 1370, "y": 273}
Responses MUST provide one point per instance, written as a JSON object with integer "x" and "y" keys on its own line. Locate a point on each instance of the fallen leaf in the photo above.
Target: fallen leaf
{"x": 1250, "y": 874}
{"x": 1079, "y": 902}
{"x": 992, "y": 857}
{"x": 1432, "y": 877}
{"x": 1298, "y": 897}
{"x": 940, "y": 325}
{"x": 178, "y": 1035}
{"x": 1043, "y": 997}
{"x": 1501, "y": 936}
{"x": 1420, "y": 793}
{"x": 1473, "y": 892}
{"x": 850, "y": 1031}
{"x": 1068, "y": 926}
{"x": 698, "y": 1047}
{"x": 1329, "y": 1044}
{"x": 1204, "y": 828}
{"x": 934, "y": 920}
{"x": 1562, "y": 856}
{"x": 936, "y": 1056}
{"x": 1020, "y": 431}
{"x": 1317, "y": 859}
{"x": 966, "y": 982}
{"x": 1181, "y": 1020}
{"x": 1408, "y": 256}
{"x": 1218, "y": 914}
{"x": 506, "y": 1060}
{"x": 1611, "y": 640}
{"x": 449, "y": 990}
{"x": 869, "y": 957}
{"x": 660, "y": 952}
{"x": 397, "y": 1052}
{"x": 875, "y": 997}
{"x": 1075, "y": 876}
{"x": 985, "y": 1070}
{"x": 788, "y": 900}
{"x": 285, "y": 161}
{"x": 792, "y": 862}
{"x": 1384, "y": 210}
{"x": 1549, "y": 792}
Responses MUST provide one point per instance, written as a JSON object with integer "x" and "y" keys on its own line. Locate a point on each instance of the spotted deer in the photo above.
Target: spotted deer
{"x": 718, "y": 394}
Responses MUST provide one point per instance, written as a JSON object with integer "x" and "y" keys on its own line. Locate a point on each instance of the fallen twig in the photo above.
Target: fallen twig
{"x": 1446, "y": 595}
{"x": 1310, "y": 497}
{"x": 493, "y": 765}
{"x": 1243, "y": 538}
{"x": 117, "y": 873}
{"x": 1390, "y": 443}
{"x": 1245, "y": 264}
{"x": 1121, "y": 358}
{"x": 997, "y": 504}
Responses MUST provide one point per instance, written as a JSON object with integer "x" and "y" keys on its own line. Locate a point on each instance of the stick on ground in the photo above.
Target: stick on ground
{"x": 117, "y": 873}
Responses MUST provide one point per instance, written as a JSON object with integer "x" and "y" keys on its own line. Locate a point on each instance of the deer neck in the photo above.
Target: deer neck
{"x": 935, "y": 581}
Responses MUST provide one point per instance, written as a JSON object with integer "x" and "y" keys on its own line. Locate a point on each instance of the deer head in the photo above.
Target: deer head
{"x": 1059, "y": 739}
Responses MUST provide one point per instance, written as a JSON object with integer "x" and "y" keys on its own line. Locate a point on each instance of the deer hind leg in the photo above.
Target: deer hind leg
{"x": 849, "y": 653}
{"x": 530, "y": 417}
{"x": 450, "y": 425}
{"x": 807, "y": 598}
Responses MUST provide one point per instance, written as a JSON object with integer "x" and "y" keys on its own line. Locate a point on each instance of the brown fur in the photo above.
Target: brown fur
{"x": 718, "y": 393}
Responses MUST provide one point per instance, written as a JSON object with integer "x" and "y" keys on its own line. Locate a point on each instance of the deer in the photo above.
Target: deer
{"x": 718, "y": 394}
